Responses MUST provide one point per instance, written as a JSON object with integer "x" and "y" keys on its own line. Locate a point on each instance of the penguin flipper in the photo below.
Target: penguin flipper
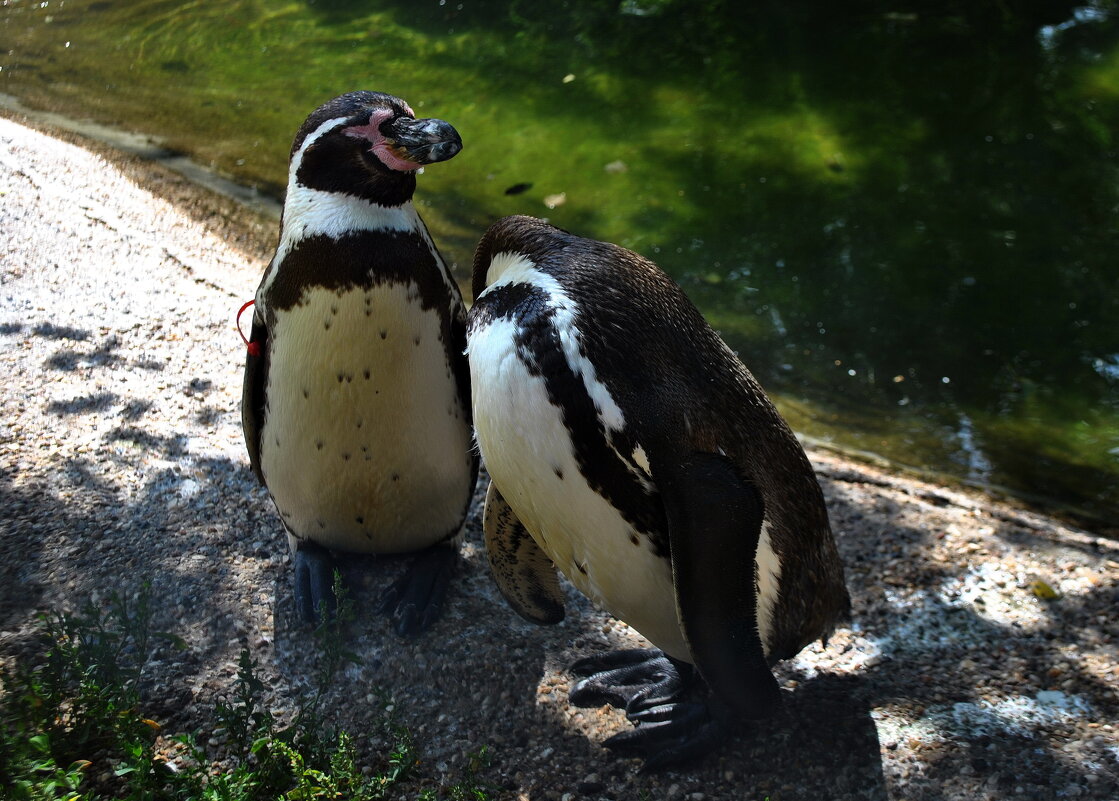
{"x": 252, "y": 394}
{"x": 523, "y": 572}
{"x": 714, "y": 524}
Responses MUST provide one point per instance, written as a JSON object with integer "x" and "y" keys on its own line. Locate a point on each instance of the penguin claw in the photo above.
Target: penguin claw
{"x": 314, "y": 583}
{"x": 671, "y": 735}
{"x": 648, "y": 684}
{"x": 630, "y": 680}
{"x": 415, "y": 601}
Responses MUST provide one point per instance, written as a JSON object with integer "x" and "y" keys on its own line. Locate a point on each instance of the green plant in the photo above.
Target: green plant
{"x": 469, "y": 789}
{"x": 72, "y": 726}
{"x": 79, "y": 707}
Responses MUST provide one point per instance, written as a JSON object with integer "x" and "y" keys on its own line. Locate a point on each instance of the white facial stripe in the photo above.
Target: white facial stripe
{"x": 513, "y": 268}
{"x": 769, "y": 580}
{"x": 311, "y": 138}
{"x": 502, "y": 263}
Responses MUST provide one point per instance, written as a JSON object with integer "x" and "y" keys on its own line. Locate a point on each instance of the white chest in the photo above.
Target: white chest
{"x": 528, "y": 452}
{"x": 365, "y": 444}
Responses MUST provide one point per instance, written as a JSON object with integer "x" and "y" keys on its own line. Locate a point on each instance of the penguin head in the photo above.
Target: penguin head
{"x": 370, "y": 145}
{"x": 530, "y": 237}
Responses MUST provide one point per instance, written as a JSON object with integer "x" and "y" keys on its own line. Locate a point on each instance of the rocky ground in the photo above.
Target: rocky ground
{"x": 121, "y": 462}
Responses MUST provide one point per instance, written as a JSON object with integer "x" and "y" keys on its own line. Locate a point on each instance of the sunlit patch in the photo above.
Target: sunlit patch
{"x": 966, "y": 609}
{"x": 1018, "y": 715}
{"x": 995, "y": 594}
{"x": 1014, "y": 716}
{"x": 848, "y": 651}
{"x": 895, "y": 725}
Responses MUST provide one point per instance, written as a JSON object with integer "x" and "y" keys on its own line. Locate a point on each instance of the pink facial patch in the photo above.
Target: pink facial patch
{"x": 381, "y": 149}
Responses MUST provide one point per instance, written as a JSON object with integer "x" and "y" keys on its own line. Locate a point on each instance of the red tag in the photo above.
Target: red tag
{"x": 253, "y": 347}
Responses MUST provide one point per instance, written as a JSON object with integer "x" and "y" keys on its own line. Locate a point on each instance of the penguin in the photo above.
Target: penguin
{"x": 629, "y": 448}
{"x": 355, "y": 406}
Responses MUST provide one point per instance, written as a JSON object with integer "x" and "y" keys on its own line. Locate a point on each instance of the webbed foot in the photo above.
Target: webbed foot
{"x": 629, "y": 680}
{"x": 415, "y": 601}
{"x": 670, "y": 734}
{"x": 314, "y": 583}
{"x": 649, "y": 685}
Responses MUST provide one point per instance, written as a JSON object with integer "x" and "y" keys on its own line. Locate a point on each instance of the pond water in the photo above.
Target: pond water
{"x": 906, "y": 224}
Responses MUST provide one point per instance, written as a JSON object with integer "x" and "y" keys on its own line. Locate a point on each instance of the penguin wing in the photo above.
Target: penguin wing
{"x": 523, "y": 572}
{"x": 252, "y": 393}
{"x": 714, "y": 524}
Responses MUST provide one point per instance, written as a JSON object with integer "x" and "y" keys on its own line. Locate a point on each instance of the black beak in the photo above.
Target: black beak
{"x": 421, "y": 141}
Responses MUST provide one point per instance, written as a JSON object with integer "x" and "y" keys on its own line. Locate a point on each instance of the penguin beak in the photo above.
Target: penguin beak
{"x": 421, "y": 141}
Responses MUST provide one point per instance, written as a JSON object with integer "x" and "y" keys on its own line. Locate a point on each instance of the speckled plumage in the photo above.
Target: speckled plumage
{"x": 355, "y": 412}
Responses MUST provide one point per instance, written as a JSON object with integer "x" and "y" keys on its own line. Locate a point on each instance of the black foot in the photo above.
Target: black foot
{"x": 630, "y": 680}
{"x": 416, "y": 599}
{"x": 314, "y": 583}
{"x": 649, "y": 686}
{"x": 670, "y": 734}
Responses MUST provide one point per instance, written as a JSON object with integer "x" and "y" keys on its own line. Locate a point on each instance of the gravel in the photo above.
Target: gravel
{"x": 122, "y": 463}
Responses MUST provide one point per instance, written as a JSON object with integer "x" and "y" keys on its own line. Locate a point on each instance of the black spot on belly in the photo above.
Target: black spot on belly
{"x": 396, "y": 476}
{"x": 581, "y": 567}
{"x": 326, "y": 325}
{"x": 634, "y": 538}
{"x": 341, "y": 378}
{"x": 416, "y": 340}
{"x": 359, "y": 520}
{"x": 318, "y": 445}
{"x": 358, "y": 424}
{"x": 558, "y": 472}
{"x": 346, "y": 457}
{"x": 384, "y": 333}
{"x": 321, "y": 524}
{"x": 366, "y": 373}
{"x": 306, "y": 394}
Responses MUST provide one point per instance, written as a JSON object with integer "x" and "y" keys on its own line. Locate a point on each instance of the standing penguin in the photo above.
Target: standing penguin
{"x": 630, "y": 448}
{"x": 355, "y": 405}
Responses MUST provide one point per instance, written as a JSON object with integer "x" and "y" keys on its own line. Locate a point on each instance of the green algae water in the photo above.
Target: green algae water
{"x": 907, "y": 223}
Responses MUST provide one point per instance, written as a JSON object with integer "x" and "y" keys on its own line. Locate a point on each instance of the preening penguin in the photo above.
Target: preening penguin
{"x": 355, "y": 406}
{"x": 630, "y": 448}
